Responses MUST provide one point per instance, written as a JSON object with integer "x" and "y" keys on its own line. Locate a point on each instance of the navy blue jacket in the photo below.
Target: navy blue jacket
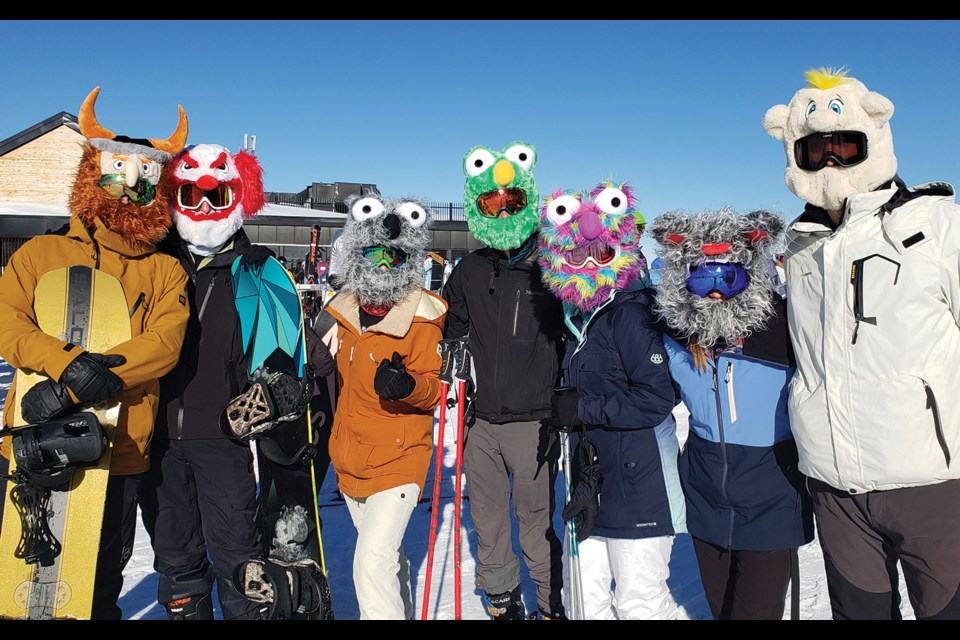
{"x": 618, "y": 365}
{"x": 739, "y": 463}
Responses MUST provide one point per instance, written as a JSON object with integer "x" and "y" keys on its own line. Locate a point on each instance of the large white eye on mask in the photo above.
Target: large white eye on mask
{"x": 366, "y": 208}
{"x": 520, "y": 155}
{"x": 561, "y": 210}
{"x": 611, "y": 200}
{"x": 413, "y": 212}
{"x": 478, "y": 162}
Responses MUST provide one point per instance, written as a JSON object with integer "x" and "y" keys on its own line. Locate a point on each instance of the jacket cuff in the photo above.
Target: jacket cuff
{"x": 57, "y": 361}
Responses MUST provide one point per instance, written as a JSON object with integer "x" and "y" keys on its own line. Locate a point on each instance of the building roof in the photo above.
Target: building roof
{"x": 32, "y": 133}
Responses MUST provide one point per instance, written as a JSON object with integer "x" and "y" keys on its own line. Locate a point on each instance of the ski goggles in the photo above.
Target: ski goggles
{"x": 114, "y": 185}
{"x": 190, "y": 196}
{"x": 492, "y": 203}
{"x": 845, "y": 148}
{"x": 390, "y": 257}
{"x": 728, "y": 278}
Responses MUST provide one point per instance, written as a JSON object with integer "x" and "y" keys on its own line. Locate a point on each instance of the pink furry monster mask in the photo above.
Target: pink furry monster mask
{"x": 589, "y": 244}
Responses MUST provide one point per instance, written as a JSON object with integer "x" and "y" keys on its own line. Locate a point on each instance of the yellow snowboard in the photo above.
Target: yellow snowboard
{"x": 87, "y": 307}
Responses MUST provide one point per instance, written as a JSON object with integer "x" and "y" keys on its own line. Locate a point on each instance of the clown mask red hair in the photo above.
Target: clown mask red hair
{"x": 214, "y": 193}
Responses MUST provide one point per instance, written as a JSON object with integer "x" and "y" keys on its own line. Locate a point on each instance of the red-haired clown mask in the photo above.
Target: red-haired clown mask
{"x": 214, "y": 192}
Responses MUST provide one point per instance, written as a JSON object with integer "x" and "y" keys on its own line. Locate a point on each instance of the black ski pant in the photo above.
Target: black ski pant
{"x": 743, "y": 585}
{"x": 206, "y": 523}
{"x": 116, "y": 544}
{"x": 864, "y": 536}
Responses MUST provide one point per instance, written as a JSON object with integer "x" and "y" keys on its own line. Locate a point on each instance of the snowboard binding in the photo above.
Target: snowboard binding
{"x": 47, "y": 455}
{"x": 295, "y": 590}
{"x": 273, "y": 397}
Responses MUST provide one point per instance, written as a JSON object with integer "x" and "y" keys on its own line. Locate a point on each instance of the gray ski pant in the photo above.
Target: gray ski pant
{"x": 525, "y": 453}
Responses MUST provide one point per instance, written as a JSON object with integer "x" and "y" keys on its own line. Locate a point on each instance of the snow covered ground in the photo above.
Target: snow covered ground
{"x": 138, "y": 599}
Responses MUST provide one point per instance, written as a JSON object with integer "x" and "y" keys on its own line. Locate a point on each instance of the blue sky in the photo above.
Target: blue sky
{"x": 673, "y": 107}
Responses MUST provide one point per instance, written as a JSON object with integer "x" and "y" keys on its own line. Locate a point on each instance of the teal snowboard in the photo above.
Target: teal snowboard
{"x": 276, "y": 414}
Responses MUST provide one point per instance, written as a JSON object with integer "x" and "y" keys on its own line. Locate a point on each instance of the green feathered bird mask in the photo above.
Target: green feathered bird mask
{"x": 500, "y": 196}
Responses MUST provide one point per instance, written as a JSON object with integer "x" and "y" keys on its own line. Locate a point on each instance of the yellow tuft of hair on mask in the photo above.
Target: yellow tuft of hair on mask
{"x": 826, "y": 77}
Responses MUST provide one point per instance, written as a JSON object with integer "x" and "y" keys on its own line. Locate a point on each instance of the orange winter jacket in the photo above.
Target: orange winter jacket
{"x": 155, "y": 287}
{"x": 376, "y": 444}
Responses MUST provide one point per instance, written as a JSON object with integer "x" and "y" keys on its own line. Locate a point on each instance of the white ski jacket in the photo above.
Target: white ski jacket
{"x": 873, "y": 311}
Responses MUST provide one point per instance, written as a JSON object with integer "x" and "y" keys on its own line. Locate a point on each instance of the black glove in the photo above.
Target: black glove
{"x": 564, "y": 408}
{"x": 255, "y": 255}
{"x": 392, "y": 382}
{"x": 585, "y": 498}
{"x": 88, "y": 377}
{"x": 44, "y": 401}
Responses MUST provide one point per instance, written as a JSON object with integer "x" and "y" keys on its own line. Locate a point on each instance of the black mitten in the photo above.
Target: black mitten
{"x": 564, "y": 408}
{"x": 392, "y": 382}
{"x": 585, "y": 498}
{"x": 90, "y": 378}
{"x": 44, "y": 401}
{"x": 255, "y": 255}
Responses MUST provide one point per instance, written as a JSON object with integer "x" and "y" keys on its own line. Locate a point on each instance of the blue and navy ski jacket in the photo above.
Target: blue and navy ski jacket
{"x": 739, "y": 464}
{"x": 618, "y": 365}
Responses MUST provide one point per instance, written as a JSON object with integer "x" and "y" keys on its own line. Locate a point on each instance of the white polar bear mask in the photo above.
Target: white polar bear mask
{"x": 834, "y": 102}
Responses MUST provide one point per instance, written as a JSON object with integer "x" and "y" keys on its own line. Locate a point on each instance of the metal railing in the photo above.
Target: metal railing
{"x": 445, "y": 211}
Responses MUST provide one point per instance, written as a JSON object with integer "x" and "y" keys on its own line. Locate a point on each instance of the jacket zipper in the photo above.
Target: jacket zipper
{"x": 203, "y": 306}
{"x": 932, "y": 405}
{"x": 723, "y": 447}
{"x": 136, "y": 305}
{"x": 516, "y": 313}
{"x": 730, "y": 397}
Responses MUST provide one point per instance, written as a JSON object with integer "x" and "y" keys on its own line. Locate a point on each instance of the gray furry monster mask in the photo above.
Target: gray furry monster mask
{"x": 719, "y": 239}
{"x": 382, "y": 249}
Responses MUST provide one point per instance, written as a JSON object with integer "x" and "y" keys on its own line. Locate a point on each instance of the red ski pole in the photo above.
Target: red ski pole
{"x": 458, "y": 497}
{"x": 435, "y": 504}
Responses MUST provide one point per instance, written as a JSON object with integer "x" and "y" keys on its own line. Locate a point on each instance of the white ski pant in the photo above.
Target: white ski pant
{"x": 381, "y": 571}
{"x": 623, "y": 579}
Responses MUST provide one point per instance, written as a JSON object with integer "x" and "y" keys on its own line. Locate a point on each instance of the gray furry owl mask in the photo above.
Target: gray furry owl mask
{"x": 716, "y": 281}
{"x": 384, "y": 244}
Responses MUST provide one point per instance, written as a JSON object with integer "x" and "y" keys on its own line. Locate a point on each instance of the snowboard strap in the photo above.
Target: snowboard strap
{"x": 294, "y": 590}
{"x": 31, "y": 502}
{"x": 304, "y": 455}
{"x": 273, "y": 397}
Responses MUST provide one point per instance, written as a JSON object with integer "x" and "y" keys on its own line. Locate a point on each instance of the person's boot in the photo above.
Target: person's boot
{"x": 557, "y": 613}
{"x": 199, "y": 607}
{"x": 505, "y": 606}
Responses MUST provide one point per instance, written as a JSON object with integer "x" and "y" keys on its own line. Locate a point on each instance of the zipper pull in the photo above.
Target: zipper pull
{"x": 351, "y": 354}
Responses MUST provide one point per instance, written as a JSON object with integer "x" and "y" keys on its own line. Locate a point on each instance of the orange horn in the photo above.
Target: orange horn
{"x": 177, "y": 140}
{"x": 89, "y": 126}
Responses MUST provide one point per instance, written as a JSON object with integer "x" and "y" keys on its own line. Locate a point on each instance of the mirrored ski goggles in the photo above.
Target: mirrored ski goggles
{"x": 385, "y": 256}
{"x": 114, "y": 185}
{"x": 845, "y": 148}
{"x": 492, "y": 203}
{"x": 190, "y": 196}
{"x": 727, "y": 278}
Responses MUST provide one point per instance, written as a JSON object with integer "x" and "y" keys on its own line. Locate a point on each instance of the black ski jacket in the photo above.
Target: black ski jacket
{"x": 211, "y": 370}
{"x": 515, "y": 329}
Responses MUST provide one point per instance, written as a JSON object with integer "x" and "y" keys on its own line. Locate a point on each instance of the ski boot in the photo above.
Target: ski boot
{"x": 505, "y": 606}
{"x": 556, "y": 613}
{"x": 198, "y": 607}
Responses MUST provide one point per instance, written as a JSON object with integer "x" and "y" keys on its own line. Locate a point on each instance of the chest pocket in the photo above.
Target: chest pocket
{"x": 597, "y": 370}
{"x": 521, "y": 311}
{"x": 140, "y": 308}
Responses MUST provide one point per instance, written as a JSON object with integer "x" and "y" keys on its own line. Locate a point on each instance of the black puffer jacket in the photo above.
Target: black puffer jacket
{"x": 211, "y": 370}
{"x": 515, "y": 329}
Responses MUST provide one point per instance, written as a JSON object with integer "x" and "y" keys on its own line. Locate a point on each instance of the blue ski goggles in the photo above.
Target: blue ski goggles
{"x": 727, "y": 278}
